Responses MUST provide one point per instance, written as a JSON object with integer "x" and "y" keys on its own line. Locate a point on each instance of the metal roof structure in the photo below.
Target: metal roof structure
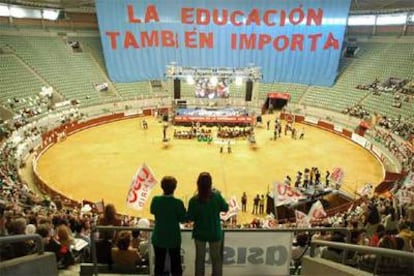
{"x": 88, "y": 6}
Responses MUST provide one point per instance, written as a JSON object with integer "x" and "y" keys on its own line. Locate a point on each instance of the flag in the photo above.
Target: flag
{"x": 366, "y": 190}
{"x": 405, "y": 196}
{"x": 270, "y": 222}
{"x": 337, "y": 175}
{"x": 233, "y": 209}
{"x": 99, "y": 205}
{"x": 141, "y": 186}
{"x": 316, "y": 211}
{"x": 284, "y": 194}
{"x": 301, "y": 218}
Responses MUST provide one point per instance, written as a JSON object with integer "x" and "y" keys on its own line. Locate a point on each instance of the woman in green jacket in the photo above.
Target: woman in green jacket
{"x": 204, "y": 210}
{"x": 168, "y": 212}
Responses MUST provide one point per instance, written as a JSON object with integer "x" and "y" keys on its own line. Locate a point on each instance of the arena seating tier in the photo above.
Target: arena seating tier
{"x": 17, "y": 81}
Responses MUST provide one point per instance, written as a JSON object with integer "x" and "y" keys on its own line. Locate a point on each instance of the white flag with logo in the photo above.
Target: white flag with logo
{"x": 366, "y": 190}
{"x": 284, "y": 194}
{"x": 141, "y": 186}
{"x": 233, "y": 209}
{"x": 316, "y": 211}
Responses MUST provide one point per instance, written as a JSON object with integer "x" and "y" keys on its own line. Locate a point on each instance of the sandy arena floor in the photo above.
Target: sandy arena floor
{"x": 99, "y": 163}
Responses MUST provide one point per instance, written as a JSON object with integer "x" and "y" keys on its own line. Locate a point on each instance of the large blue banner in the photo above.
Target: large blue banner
{"x": 292, "y": 41}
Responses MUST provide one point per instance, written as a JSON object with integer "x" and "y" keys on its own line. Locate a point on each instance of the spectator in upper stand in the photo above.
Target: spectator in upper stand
{"x": 18, "y": 249}
{"x": 168, "y": 212}
{"x": 333, "y": 254}
{"x": 204, "y": 210}
{"x": 375, "y": 238}
{"x": 407, "y": 235}
{"x": 390, "y": 221}
{"x": 372, "y": 219}
{"x": 124, "y": 255}
{"x": 60, "y": 244}
{"x": 107, "y": 239}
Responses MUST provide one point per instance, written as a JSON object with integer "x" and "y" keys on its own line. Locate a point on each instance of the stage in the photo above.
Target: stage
{"x": 213, "y": 117}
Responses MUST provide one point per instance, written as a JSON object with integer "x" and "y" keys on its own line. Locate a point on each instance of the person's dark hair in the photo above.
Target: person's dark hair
{"x": 135, "y": 233}
{"x": 373, "y": 215}
{"x": 124, "y": 239}
{"x": 204, "y": 184}
{"x": 43, "y": 230}
{"x": 391, "y": 211}
{"x": 302, "y": 239}
{"x": 109, "y": 216}
{"x": 168, "y": 184}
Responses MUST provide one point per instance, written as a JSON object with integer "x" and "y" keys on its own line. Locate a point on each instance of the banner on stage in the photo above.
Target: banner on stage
{"x": 141, "y": 186}
{"x": 285, "y": 194}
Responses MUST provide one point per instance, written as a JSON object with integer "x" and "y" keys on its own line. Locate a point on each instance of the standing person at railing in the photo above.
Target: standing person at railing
{"x": 204, "y": 210}
{"x": 168, "y": 212}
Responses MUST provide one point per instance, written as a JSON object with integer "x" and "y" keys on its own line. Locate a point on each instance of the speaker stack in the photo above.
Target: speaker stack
{"x": 249, "y": 90}
{"x": 177, "y": 89}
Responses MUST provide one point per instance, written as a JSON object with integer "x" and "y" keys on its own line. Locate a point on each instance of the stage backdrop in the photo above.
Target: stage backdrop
{"x": 292, "y": 41}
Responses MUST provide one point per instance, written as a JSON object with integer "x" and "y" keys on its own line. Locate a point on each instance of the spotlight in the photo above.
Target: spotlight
{"x": 213, "y": 80}
{"x": 239, "y": 80}
{"x": 190, "y": 80}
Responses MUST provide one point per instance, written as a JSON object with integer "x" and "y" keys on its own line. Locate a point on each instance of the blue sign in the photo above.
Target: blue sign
{"x": 292, "y": 41}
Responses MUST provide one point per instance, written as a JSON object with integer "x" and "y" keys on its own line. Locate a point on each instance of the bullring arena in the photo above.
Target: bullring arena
{"x": 99, "y": 162}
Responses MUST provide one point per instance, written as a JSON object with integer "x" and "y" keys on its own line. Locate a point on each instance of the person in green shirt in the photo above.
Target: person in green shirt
{"x": 168, "y": 212}
{"x": 204, "y": 210}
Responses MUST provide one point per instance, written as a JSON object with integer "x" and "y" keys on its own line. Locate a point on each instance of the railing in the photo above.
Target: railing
{"x": 310, "y": 231}
{"x": 379, "y": 252}
{"x": 20, "y": 238}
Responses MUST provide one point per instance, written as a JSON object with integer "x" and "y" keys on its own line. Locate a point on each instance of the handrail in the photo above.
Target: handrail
{"x": 19, "y": 238}
{"x": 96, "y": 228}
{"x": 363, "y": 249}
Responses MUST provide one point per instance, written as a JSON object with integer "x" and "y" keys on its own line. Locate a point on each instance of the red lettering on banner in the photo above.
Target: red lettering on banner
{"x": 316, "y": 17}
{"x": 130, "y": 40}
{"x": 284, "y": 40}
{"x": 233, "y": 18}
{"x": 146, "y": 174}
{"x": 264, "y": 39}
{"x": 254, "y": 16}
{"x": 112, "y": 37}
{"x": 190, "y": 39}
{"x": 248, "y": 40}
{"x": 297, "y": 41}
{"x": 167, "y": 39}
{"x": 234, "y": 41}
{"x": 282, "y": 18}
{"x": 206, "y": 40}
{"x": 137, "y": 185}
{"x": 187, "y": 15}
{"x": 267, "y": 19}
{"x": 131, "y": 16}
{"x": 149, "y": 40}
{"x": 331, "y": 42}
{"x": 220, "y": 21}
{"x": 314, "y": 38}
{"x": 151, "y": 14}
{"x": 202, "y": 16}
{"x": 134, "y": 194}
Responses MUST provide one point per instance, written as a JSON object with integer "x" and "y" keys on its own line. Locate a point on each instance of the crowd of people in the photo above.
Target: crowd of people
{"x": 24, "y": 211}
{"x": 400, "y": 150}
{"x": 357, "y": 111}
